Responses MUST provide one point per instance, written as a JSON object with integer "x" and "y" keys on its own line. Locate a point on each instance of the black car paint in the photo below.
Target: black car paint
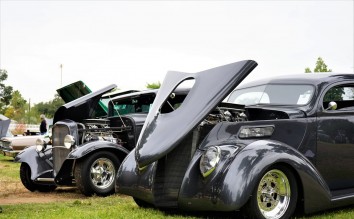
{"x": 295, "y": 143}
{"x": 44, "y": 166}
{"x": 49, "y": 169}
{"x": 199, "y": 97}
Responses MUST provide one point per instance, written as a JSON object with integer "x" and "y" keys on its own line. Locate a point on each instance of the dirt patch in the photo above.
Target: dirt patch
{"x": 16, "y": 193}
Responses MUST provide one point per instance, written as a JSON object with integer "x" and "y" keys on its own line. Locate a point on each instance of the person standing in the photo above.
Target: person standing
{"x": 43, "y": 125}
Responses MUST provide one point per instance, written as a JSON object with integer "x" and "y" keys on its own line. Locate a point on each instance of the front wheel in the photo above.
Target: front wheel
{"x": 96, "y": 174}
{"x": 275, "y": 195}
{"x": 25, "y": 175}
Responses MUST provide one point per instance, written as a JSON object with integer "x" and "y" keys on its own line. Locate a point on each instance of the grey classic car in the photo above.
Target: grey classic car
{"x": 11, "y": 145}
{"x": 277, "y": 145}
{"x": 91, "y": 136}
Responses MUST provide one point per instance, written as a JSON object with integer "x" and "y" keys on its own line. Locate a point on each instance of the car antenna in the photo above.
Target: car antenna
{"x": 109, "y": 96}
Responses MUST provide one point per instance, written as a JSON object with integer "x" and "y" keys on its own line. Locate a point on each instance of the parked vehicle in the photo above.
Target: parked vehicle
{"x": 278, "y": 144}
{"x": 11, "y": 145}
{"x": 89, "y": 141}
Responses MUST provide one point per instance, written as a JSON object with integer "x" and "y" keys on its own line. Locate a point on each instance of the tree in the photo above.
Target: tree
{"x": 5, "y": 91}
{"x": 16, "y": 110}
{"x": 49, "y": 108}
{"x": 156, "y": 85}
{"x": 320, "y": 67}
{"x": 333, "y": 94}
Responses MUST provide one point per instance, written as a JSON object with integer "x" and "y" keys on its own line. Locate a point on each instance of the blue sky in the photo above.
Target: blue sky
{"x": 131, "y": 43}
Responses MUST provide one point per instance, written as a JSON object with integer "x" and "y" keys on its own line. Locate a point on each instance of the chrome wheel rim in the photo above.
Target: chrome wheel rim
{"x": 273, "y": 194}
{"x": 102, "y": 173}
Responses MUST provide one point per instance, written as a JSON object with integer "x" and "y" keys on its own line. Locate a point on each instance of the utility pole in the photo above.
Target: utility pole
{"x": 29, "y": 110}
{"x": 61, "y": 75}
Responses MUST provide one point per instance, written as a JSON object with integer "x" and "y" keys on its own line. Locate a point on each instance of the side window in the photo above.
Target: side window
{"x": 343, "y": 95}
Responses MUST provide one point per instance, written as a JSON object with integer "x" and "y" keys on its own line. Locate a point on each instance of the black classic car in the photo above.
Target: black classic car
{"x": 277, "y": 145}
{"x": 91, "y": 135}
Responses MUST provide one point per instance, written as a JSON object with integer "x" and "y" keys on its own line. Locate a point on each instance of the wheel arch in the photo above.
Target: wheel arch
{"x": 86, "y": 151}
{"x": 253, "y": 160}
{"x": 37, "y": 164}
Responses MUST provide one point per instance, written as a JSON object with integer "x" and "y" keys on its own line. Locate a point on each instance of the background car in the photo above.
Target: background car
{"x": 278, "y": 144}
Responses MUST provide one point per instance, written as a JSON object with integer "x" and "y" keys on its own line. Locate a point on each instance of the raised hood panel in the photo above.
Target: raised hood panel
{"x": 86, "y": 107}
{"x": 162, "y": 132}
{"x": 73, "y": 91}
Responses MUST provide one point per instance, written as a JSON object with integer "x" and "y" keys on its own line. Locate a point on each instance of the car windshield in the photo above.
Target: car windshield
{"x": 137, "y": 104}
{"x": 273, "y": 94}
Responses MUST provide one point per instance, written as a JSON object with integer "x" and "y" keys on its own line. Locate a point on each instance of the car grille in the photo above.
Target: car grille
{"x": 59, "y": 152}
{"x": 5, "y": 144}
{"x": 171, "y": 169}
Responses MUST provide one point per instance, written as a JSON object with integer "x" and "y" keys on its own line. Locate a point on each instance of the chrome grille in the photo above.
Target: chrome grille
{"x": 59, "y": 152}
{"x": 5, "y": 144}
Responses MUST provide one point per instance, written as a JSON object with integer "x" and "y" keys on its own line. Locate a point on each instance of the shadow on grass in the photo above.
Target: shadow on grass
{"x": 342, "y": 212}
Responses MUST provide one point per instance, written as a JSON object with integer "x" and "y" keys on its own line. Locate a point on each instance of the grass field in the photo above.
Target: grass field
{"x": 115, "y": 206}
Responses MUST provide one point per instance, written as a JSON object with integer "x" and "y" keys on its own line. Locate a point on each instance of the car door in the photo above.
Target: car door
{"x": 335, "y": 137}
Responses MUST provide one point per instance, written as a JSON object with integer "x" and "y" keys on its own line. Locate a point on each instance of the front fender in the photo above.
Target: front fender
{"x": 229, "y": 187}
{"x": 39, "y": 162}
{"x": 83, "y": 151}
{"x": 90, "y": 147}
{"x": 134, "y": 182}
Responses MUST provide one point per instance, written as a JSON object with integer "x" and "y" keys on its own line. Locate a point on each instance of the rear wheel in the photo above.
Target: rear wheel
{"x": 275, "y": 195}
{"x": 96, "y": 174}
{"x": 25, "y": 175}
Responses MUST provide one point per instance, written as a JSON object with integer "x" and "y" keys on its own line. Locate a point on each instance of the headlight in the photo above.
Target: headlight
{"x": 256, "y": 132}
{"x": 39, "y": 145}
{"x": 209, "y": 160}
{"x": 69, "y": 141}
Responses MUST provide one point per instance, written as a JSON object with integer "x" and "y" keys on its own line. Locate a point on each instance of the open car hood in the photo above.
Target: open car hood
{"x": 85, "y": 107}
{"x": 4, "y": 126}
{"x": 73, "y": 91}
{"x": 162, "y": 132}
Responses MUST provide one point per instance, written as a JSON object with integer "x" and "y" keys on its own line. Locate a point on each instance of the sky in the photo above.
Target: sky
{"x": 132, "y": 43}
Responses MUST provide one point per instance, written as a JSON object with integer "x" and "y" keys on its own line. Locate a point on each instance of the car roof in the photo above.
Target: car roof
{"x": 305, "y": 78}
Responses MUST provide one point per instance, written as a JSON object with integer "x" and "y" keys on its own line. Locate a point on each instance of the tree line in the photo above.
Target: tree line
{"x": 15, "y": 107}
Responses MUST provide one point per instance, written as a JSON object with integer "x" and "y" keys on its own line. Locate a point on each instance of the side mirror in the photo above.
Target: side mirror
{"x": 332, "y": 105}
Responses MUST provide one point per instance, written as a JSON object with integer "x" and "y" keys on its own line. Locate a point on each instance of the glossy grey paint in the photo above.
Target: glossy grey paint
{"x": 228, "y": 188}
{"x": 210, "y": 88}
{"x": 90, "y": 147}
{"x": 40, "y": 165}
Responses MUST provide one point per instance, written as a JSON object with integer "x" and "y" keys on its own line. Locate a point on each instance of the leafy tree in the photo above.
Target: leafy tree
{"x": 307, "y": 70}
{"x": 334, "y": 93}
{"x": 16, "y": 110}
{"x": 50, "y": 107}
{"x": 156, "y": 85}
{"x": 5, "y": 91}
{"x": 320, "y": 67}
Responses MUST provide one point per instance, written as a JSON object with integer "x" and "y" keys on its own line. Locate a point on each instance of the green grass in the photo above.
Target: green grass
{"x": 9, "y": 170}
{"x": 115, "y": 206}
